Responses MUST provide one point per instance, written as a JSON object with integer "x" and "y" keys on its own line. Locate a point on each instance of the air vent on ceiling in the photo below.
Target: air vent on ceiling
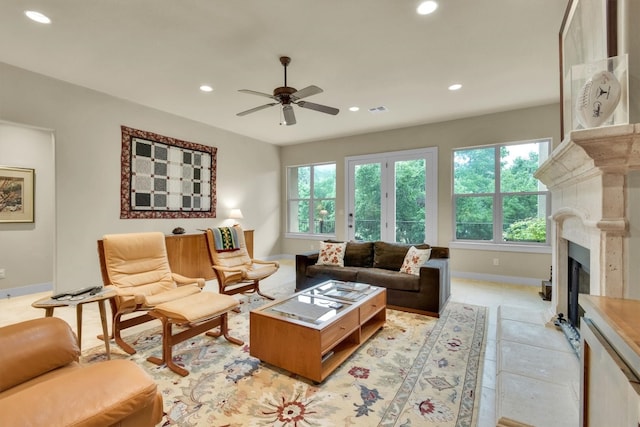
{"x": 380, "y": 109}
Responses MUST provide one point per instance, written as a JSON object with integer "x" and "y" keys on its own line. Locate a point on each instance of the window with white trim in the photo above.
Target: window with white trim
{"x": 496, "y": 198}
{"x": 311, "y": 199}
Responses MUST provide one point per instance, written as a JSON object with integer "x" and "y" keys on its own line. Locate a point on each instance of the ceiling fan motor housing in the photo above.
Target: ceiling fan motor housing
{"x": 283, "y": 93}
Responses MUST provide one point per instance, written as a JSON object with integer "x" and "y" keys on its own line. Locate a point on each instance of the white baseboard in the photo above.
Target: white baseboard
{"x": 26, "y": 290}
{"x": 528, "y": 281}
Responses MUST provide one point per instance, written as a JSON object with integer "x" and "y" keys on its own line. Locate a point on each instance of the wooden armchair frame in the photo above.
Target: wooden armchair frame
{"x": 238, "y": 279}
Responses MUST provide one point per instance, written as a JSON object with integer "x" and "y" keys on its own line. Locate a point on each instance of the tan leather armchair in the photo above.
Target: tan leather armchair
{"x": 235, "y": 270}
{"x": 43, "y": 384}
{"x": 136, "y": 264}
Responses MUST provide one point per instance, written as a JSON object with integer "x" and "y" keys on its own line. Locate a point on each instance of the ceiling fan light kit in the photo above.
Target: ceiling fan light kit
{"x": 288, "y": 96}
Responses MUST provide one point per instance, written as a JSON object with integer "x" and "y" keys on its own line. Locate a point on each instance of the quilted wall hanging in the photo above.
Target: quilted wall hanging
{"x": 164, "y": 177}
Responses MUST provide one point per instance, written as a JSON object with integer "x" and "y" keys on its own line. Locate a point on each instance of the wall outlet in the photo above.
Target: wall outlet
{"x": 496, "y": 261}
{"x": 2, "y": 274}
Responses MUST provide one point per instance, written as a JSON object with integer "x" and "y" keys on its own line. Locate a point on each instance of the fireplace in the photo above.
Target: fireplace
{"x": 594, "y": 180}
{"x": 577, "y": 280}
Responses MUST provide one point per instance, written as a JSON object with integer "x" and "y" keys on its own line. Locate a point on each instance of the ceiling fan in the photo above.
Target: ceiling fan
{"x": 286, "y": 96}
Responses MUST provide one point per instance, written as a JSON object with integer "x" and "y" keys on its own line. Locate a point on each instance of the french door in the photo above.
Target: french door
{"x": 393, "y": 196}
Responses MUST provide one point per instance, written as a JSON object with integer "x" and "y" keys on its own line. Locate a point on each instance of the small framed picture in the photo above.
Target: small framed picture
{"x": 16, "y": 194}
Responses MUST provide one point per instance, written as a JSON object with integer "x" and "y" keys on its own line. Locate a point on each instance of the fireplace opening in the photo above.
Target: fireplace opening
{"x": 577, "y": 283}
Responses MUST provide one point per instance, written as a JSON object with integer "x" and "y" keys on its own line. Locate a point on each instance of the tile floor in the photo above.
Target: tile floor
{"x": 517, "y": 380}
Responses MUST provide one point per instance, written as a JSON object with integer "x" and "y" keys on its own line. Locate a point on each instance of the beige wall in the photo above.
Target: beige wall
{"x": 25, "y": 247}
{"x": 86, "y": 125}
{"x": 524, "y": 124}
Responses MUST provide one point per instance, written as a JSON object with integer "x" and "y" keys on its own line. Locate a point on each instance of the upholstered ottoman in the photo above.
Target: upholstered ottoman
{"x": 198, "y": 313}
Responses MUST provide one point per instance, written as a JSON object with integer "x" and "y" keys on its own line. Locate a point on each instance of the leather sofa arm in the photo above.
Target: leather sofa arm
{"x": 303, "y": 261}
{"x": 33, "y": 348}
{"x": 435, "y": 282}
{"x": 439, "y": 252}
{"x": 101, "y": 394}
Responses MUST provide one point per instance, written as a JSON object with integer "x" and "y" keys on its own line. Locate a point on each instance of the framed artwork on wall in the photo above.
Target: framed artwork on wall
{"x": 16, "y": 194}
{"x": 588, "y": 33}
{"x": 164, "y": 177}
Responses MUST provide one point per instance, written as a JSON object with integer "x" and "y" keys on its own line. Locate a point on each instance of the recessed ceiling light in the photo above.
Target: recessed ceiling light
{"x": 206, "y": 88}
{"x": 456, "y": 86}
{"x": 37, "y": 16}
{"x": 427, "y": 7}
{"x": 354, "y": 108}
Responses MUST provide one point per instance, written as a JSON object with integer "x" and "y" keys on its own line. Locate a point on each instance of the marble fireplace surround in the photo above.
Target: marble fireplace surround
{"x": 588, "y": 176}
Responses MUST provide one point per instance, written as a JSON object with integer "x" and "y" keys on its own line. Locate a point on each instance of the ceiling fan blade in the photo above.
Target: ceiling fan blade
{"x": 318, "y": 107}
{"x": 253, "y": 92}
{"x": 307, "y": 91}
{"x": 289, "y": 115}
{"x": 253, "y": 110}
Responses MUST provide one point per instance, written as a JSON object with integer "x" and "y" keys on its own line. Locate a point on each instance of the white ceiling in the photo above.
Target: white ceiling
{"x": 368, "y": 53}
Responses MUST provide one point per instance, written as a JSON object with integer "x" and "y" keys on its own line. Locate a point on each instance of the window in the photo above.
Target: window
{"x": 311, "y": 199}
{"x": 496, "y": 197}
{"x": 393, "y": 196}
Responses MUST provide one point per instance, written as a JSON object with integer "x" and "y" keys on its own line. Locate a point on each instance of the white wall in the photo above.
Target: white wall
{"x": 87, "y": 171}
{"x": 87, "y": 152}
{"x": 517, "y": 125}
{"x": 26, "y": 249}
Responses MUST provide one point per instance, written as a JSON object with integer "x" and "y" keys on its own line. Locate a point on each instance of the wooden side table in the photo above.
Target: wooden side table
{"x": 48, "y": 304}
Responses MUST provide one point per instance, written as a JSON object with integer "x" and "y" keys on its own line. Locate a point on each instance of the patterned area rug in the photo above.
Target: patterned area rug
{"x": 416, "y": 371}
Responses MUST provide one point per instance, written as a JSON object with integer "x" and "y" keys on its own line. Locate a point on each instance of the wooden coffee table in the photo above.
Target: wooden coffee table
{"x": 312, "y": 332}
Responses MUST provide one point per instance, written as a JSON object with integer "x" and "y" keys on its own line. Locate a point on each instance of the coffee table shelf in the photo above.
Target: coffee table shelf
{"x": 314, "y": 349}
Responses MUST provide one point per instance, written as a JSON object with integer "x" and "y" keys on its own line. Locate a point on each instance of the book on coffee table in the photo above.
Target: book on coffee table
{"x": 344, "y": 294}
{"x": 302, "y": 310}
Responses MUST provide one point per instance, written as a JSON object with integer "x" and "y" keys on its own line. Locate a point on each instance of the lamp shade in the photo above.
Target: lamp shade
{"x": 235, "y": 214}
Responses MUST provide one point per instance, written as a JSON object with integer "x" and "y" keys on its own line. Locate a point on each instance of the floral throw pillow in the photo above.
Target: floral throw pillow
{"x": 414, "y": 259}
{"x": 331, "y": 254}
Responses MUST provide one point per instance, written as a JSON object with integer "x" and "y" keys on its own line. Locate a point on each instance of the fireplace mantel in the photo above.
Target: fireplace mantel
{"x": 588, "y": 176}
{"x": 612, "y": 149}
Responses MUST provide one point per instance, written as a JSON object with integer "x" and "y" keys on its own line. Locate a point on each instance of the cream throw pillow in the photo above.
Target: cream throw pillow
{"x": 331, "y": 254}
{"x": 414, "y": 259}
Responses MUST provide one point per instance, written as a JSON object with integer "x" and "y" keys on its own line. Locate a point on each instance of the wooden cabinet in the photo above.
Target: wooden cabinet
{"x": 310, "y": 350}
{"x": 189, "y": 255}
{"x": 609, "y": 386}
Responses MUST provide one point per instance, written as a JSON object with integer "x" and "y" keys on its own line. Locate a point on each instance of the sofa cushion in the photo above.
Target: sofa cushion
{"x": 138, "y": 259}
{"x": 389, "y": 279}
{"x": 359, "y": 254}
{"x": 390, "y": 256}
{"x": 414, "y": 259}
{"x": 331, "y": 254}
{"x": 346, "y": 274}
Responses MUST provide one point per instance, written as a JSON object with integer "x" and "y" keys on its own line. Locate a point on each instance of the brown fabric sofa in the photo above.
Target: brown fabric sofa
{"x": 378, "y": 263}
{"x": 42, "y": 383}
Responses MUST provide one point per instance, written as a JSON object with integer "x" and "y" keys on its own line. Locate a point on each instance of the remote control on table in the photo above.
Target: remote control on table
{"x": 92, "y": 289}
